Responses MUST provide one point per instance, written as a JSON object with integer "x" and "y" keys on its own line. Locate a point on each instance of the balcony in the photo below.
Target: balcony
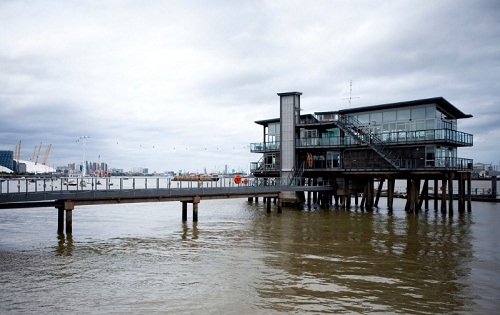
{"x": 393, "y": 138}
{"x": 434, "y": 135}
{"x": 264, "y": 147}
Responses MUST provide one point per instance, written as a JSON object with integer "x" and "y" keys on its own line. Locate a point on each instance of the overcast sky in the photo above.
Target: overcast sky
{"x": 177, "y": 85}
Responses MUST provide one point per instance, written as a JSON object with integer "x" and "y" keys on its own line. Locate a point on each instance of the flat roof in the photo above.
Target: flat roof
{"x": 442, "y": 103}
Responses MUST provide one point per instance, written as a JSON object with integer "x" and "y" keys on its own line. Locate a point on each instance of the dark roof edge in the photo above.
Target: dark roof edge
{"x": 440, "y": 101}
{"x": 289, "y": 93}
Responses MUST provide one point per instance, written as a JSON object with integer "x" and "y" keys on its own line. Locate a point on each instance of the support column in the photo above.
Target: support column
{"x": 436, "y": 192}
{"x": 250, "y": 199}
{"x": 60, "y": 220}
{"x": 450, "y": 193}
{"x": 69, "y": 206}
{"x": 443, "y": 195}
{"x": 184, "y": 211}
{"x": 390, "y": 193}
{"x": 280, "y": 202}
{"x": 461, "y": 193}
{"x": 268, "y": 204}
{"x": 469, "y": 193}
{"x": 379, "y": 191}
{"x": 196, "y": 201}
{"x": 409, "y": 192}
{"x": 369, "y": 197}
{"x": 69, "y": 221}
{"x": 424, "y": 195}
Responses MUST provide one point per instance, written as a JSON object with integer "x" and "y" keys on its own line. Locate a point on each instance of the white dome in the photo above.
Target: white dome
{"x": 3, "y": 169}
{"x": 37, "y": 168}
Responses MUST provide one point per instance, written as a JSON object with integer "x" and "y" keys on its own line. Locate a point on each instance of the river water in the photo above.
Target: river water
{"x": 238, "y": 259}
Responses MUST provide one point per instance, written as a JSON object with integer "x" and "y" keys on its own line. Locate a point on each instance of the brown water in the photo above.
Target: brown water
{"x": 140, "y": 258}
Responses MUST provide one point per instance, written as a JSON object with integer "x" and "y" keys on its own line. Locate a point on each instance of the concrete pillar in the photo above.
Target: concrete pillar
{"x": 250, "y": 199}
{"x": 268, "y": 205}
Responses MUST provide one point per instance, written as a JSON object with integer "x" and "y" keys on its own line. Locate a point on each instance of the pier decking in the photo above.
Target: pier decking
{"x": 65, "y": 195}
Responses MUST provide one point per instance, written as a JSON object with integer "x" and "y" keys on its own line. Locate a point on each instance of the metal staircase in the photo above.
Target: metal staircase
{"x": 295, "y": 177}
{"x": 353, "y": 127}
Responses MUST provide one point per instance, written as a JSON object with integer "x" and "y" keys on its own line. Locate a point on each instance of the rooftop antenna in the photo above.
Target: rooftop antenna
{"x": 350, "y": 94}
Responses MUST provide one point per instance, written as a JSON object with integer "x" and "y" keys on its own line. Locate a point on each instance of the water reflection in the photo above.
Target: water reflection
{"x": 366, "y": 261}
{"x": 188, "y": 233}
{"x": 64, "y": 245}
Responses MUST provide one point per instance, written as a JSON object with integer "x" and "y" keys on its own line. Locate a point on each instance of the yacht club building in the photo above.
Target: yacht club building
{"x": 415, "y": 140}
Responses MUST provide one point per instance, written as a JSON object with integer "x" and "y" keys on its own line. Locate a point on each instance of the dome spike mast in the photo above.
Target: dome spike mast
{"x": 84, "y": 165}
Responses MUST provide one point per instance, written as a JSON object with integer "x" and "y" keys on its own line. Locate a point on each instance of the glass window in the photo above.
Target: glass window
{"x": 377, "y": 117}
{"x": 429, "y": 124}
{"x": 389, "y": 115}
{"x": 430, "y": 112}
{"x": 403, "y": 114}
{"x": 418, "y": 113}
{"x": 364, "y": 118}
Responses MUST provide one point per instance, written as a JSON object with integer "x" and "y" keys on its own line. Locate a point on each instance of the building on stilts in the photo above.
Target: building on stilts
{"x": 360, "y": 149}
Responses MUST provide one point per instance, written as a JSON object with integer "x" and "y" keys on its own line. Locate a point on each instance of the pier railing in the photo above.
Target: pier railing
{"x": 78, "y": 188}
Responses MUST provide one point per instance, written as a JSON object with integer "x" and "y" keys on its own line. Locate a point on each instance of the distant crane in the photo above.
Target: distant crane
{"x": 46, "y": 154}
{"x": 33, "y": 157}
{"x": 38, "y": 154}
{"x": 17, "y": 154}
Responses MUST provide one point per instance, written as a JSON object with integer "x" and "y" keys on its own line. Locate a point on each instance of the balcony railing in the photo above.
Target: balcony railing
{"x": 397, "y": 137}
{"x": 446, "y": 135}
{"x": 264, "y": 147}
{"x": 438, "y": 164}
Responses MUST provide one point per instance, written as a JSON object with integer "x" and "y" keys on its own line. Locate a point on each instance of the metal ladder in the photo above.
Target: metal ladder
{"x": 353, "y": 127}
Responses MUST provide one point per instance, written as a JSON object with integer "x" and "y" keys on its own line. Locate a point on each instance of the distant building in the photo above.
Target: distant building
{"x": 7, "y": 159}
